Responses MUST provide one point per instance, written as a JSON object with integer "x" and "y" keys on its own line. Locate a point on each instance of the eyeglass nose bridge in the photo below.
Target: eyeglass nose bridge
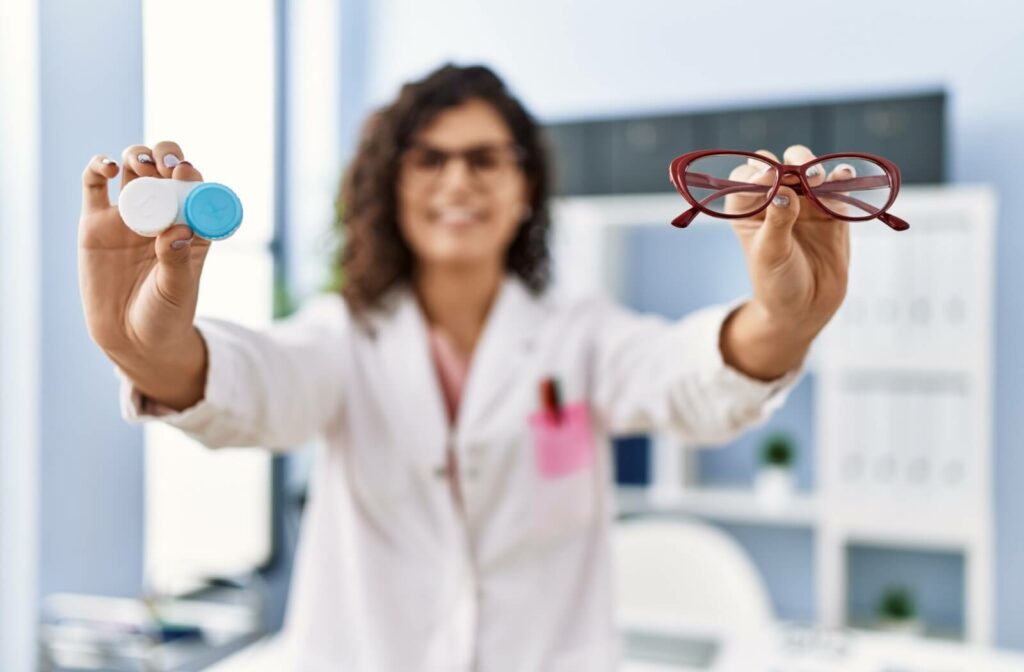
{"x": 797, "y": 172}
{"x": 457, "y": 158}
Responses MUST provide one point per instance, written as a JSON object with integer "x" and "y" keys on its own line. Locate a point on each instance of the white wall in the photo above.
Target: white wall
{"x": 19, "y": 331}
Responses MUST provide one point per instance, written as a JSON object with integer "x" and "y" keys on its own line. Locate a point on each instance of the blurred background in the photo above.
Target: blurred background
{"x": 885, "y": 496}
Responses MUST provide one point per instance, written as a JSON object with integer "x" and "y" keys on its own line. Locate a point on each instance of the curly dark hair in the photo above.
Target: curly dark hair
{"x": 373, "y": 256}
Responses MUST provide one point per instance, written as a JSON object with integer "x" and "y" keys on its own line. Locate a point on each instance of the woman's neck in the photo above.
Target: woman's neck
{"x": 457, "y": 300}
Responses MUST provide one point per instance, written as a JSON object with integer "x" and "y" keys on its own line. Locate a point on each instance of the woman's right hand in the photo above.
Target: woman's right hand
{"x": 140, "y": 293}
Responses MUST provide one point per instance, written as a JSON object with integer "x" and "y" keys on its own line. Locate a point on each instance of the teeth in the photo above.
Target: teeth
{"x": 456, "y": 214}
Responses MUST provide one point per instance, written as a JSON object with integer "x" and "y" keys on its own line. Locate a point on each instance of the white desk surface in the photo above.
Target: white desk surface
{"x": 800, "y": 649}
{"x": 778, "y": 649}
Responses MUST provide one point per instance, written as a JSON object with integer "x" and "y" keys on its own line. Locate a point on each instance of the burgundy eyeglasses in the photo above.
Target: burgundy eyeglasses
{"x": 733, "y": 185}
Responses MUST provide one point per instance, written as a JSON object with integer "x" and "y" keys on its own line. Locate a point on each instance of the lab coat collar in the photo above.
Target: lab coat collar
{"x": 508, "y": 338}
{"x": 509, "y": 335}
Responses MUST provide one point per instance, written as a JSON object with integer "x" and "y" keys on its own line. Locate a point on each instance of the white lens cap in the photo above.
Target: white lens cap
{"x": 148, "y": 205}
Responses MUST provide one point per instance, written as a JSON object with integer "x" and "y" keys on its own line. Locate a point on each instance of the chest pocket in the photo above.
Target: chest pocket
{"x": 564, "y": 469}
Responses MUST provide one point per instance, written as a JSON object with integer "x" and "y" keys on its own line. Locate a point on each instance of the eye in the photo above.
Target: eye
{"x": 427, "y": 159}
{"x": 483, "y": 159}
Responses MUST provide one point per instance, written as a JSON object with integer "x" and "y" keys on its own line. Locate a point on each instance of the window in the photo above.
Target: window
{"x": 210, "y": 81}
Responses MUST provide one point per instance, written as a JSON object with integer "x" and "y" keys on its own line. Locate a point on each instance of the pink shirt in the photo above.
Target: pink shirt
{"x": 452, "y": 367}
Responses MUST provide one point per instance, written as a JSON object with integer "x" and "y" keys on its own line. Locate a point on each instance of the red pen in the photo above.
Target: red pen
{"x": 551, "y": 397}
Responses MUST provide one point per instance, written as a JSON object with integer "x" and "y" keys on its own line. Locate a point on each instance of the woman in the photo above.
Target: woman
{"x": 455, "y": 521}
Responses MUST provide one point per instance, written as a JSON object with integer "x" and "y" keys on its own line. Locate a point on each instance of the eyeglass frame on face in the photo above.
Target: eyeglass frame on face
{"x": 677, "y": 172}
{"x": 465, "y": 155}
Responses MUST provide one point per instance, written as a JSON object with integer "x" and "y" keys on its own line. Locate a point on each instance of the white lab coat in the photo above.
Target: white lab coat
{"x": 392, "y": 575}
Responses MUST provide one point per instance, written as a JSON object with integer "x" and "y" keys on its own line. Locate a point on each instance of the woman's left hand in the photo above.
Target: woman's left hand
{"x": 798, "y": 258}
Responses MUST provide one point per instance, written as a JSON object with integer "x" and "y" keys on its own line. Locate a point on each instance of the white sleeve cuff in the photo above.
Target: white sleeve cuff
{"x": 757, "y": 399}
{"x": 213, "y": 412}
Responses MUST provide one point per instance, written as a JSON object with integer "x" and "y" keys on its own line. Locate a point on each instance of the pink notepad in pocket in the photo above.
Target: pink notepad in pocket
{"x": 562, "y": 446}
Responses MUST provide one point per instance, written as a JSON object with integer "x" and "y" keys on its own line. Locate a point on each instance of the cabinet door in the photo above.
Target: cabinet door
{"x": 772, "y": 129}
{"x": 908, "y": 131}
{"x": 642, "y": 149}
{"x": 599, "y": 157}
{"x": 566, "y": 148}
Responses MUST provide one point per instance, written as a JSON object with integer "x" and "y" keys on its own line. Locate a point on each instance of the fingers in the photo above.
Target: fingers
{"x": 175, "y": 247}
{"x": 176, "y": 241}
{"x": 138, "y": 162}
{"x": 840, "y": 172}
{"x": 777, "y": 231}
{"x": 187, "y": 172}
{"x": 800, "y": 155}
{"x": 164, "y": 159}
{"x": 797, "y": 155}
{"x": 764, "y": 173}
{"x": 751, "y": 172}
{"x": 97, "y": 173}
{"x": 167, "y": 155}
{"x": 170, "y": 162}
{"x": 783, "y": 210}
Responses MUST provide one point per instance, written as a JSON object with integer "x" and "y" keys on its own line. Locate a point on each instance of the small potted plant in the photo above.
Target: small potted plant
{"x": 774, "y": 482}
{"x": 897, "y": 612}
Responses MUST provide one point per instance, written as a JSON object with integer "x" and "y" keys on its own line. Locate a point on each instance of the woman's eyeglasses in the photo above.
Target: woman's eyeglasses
{"x": 735, "y": 185}
{"x": 488, "y": 164}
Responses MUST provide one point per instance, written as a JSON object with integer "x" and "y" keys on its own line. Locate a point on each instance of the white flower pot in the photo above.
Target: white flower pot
{"x": 908, "y": 626}
{"x": 774, "y": 485}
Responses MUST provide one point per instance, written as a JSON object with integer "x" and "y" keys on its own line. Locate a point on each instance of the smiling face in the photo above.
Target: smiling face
{"x": 462, "y": 193}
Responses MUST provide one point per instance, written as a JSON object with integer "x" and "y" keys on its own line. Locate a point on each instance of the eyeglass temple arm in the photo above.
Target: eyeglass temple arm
{"x": 894, "y": 222}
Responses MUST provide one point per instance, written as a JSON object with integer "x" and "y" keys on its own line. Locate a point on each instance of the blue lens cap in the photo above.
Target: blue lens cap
{"x": 213, "y": 211}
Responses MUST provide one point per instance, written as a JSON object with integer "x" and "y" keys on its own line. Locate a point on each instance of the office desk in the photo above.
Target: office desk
{"x": 91, "y": 632}
{"x": 801, "y": 649}
{"x": 779, "y": 649}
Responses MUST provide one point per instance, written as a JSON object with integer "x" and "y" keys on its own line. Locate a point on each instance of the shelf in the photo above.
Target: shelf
{"x": 734, "y": 505}
{"x": 886, "y": 384}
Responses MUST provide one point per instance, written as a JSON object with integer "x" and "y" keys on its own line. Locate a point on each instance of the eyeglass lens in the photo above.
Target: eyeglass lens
{"x": 732, "y": 184}
{"x": 484, "y": 163}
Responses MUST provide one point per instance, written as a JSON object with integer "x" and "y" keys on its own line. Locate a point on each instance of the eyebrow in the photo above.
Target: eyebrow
{"x": 469, "y": 148}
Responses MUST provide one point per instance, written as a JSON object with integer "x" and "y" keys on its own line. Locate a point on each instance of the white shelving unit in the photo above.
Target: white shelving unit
{"x": 905, "y": 397}
{"x": 903, "y": 385}
{"x": 728, "y": 505}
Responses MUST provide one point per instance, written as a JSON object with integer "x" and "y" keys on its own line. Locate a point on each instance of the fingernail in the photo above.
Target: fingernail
{"x": 107, "y": 162}
{"x": 781, "y": 201}
{"x": 814, "y": 171}
{"x": 180, "y": 244}
{"x": 846, "y": 168}
{"x": 145, "y": 158}
{"x": 170, "y": 160}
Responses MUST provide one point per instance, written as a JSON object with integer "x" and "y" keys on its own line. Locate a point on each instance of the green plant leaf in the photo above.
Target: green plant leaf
{"x": 778, "y": 450}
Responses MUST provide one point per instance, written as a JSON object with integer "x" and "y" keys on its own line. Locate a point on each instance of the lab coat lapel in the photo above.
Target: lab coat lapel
{"x": 509, "y": 335}
{"x": 412, "y": 380}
